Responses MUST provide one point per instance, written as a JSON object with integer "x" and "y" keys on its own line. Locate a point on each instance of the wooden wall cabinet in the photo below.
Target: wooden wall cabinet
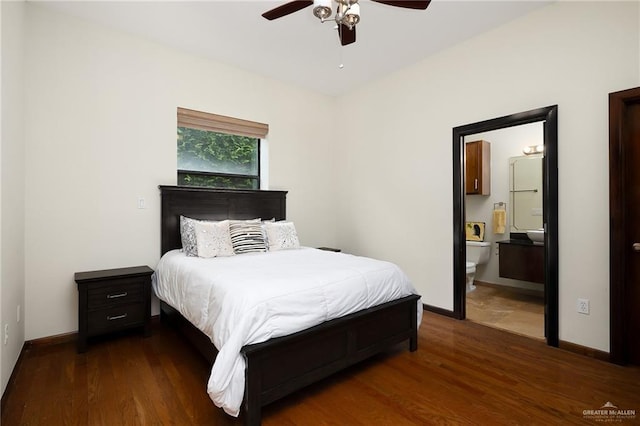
{"x": 523, "y": 262}
{"x": 478, "y": 168}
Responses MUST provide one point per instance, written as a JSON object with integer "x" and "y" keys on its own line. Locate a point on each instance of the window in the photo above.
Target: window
{"x": 218, "y": 151}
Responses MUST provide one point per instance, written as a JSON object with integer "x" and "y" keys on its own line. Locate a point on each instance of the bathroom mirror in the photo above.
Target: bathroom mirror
{"x": 525, "y": 193}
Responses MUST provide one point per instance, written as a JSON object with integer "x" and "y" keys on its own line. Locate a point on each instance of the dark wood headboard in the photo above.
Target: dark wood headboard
{"x": 214, "y": 204}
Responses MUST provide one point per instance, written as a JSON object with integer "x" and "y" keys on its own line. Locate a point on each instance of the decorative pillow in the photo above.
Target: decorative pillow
{"x": 188, "y": 236}
{"x": 264, "y": 232}
{"x": 213, "y": 239}
{"x": 282, "y": 235}
{"x": 246, "y": 236}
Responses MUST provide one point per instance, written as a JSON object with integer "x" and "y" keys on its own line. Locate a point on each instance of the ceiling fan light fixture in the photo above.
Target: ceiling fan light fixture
{"x": 352, "y": 15}
{"x": 322, "y": 9}
{"x": 347, "y": 13}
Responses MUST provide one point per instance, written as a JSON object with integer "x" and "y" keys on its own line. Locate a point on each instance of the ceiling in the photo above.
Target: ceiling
{"x": 298, "y": 49}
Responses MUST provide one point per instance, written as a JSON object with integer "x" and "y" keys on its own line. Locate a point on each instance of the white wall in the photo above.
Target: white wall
{"x": 101, "y": 114}
{"x": 396, "y": 160}
{"x": 12, "y": 172}
{"x": 505, "y": 143}
{"x": 100, "y": 108}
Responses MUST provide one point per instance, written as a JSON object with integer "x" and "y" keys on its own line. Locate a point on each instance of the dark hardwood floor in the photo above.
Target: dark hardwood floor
{"x": 463, "y": 373}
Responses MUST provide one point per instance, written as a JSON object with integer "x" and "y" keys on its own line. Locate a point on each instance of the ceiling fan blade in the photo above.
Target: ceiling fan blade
{"x": 408, "y": 4}
{"x": 347, "y": 36}
{"x": 286, "y": 9}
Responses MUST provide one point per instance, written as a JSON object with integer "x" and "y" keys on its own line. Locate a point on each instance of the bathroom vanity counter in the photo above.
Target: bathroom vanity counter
{"x": 522, "y": 260}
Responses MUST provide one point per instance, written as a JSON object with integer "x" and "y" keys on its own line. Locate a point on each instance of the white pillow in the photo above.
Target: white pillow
{"x": 213, "y": 239}
{"x": 281, "y": 235}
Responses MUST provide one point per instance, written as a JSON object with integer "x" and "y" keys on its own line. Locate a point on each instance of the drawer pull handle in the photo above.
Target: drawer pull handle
{"x": 115, "y": 296}
{"x": 117, "y": 317}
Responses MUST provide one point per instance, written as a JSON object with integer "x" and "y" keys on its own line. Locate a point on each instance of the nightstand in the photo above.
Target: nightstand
{"x": 112, "y": 300}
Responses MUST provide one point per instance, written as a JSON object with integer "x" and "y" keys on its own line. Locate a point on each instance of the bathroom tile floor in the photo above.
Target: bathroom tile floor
{"x": 507, "y": 309}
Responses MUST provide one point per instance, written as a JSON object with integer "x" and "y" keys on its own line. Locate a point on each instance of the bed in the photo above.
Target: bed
{"x": 281, "y": 365}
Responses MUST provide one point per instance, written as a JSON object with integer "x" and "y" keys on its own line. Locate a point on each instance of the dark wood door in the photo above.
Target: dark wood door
{"x": 624, "y": 157}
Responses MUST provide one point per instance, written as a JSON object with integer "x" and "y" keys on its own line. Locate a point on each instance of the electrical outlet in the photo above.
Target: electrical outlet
{"x": 583, "y": 306}
{"x": 142, "y": 204}
{"x": 6, "y": 333}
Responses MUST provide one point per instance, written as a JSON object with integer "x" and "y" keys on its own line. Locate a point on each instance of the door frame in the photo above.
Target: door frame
{"x": 549, "y": 115}
{"x": 618, "y": 221}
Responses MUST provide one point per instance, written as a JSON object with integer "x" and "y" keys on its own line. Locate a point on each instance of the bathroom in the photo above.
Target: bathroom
{"x": 505, "y": 248}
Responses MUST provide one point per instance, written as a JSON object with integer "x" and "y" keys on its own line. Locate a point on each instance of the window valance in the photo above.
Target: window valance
{"x": 220, "y": 123}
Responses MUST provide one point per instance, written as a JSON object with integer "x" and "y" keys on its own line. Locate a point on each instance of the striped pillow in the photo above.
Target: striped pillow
{"x": 247, "y": 236}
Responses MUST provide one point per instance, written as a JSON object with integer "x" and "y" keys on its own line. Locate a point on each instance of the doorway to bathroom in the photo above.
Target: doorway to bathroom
{"x": 505, "y": 292}
{"x": 509, "y": 243}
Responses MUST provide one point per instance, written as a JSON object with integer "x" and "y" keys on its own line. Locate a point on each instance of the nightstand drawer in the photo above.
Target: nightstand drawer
{"x": 115, "y": 318}
{"x": 115, "y": 292}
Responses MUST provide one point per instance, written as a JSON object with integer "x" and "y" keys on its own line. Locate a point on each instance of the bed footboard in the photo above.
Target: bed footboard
{"x": 283, "y": 365}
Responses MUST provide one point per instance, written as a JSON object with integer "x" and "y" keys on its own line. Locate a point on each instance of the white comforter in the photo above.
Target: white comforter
{"x": 251, "y": 298}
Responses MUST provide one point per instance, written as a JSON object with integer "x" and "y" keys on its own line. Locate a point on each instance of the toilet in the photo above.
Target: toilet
{"x": 478, "y": 253}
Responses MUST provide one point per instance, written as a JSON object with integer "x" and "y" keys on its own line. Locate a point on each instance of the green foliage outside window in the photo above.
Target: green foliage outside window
{"x": 217, "y": 159}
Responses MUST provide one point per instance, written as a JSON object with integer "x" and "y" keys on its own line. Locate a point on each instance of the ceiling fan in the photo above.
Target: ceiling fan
{"x": 347, "y": 13}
